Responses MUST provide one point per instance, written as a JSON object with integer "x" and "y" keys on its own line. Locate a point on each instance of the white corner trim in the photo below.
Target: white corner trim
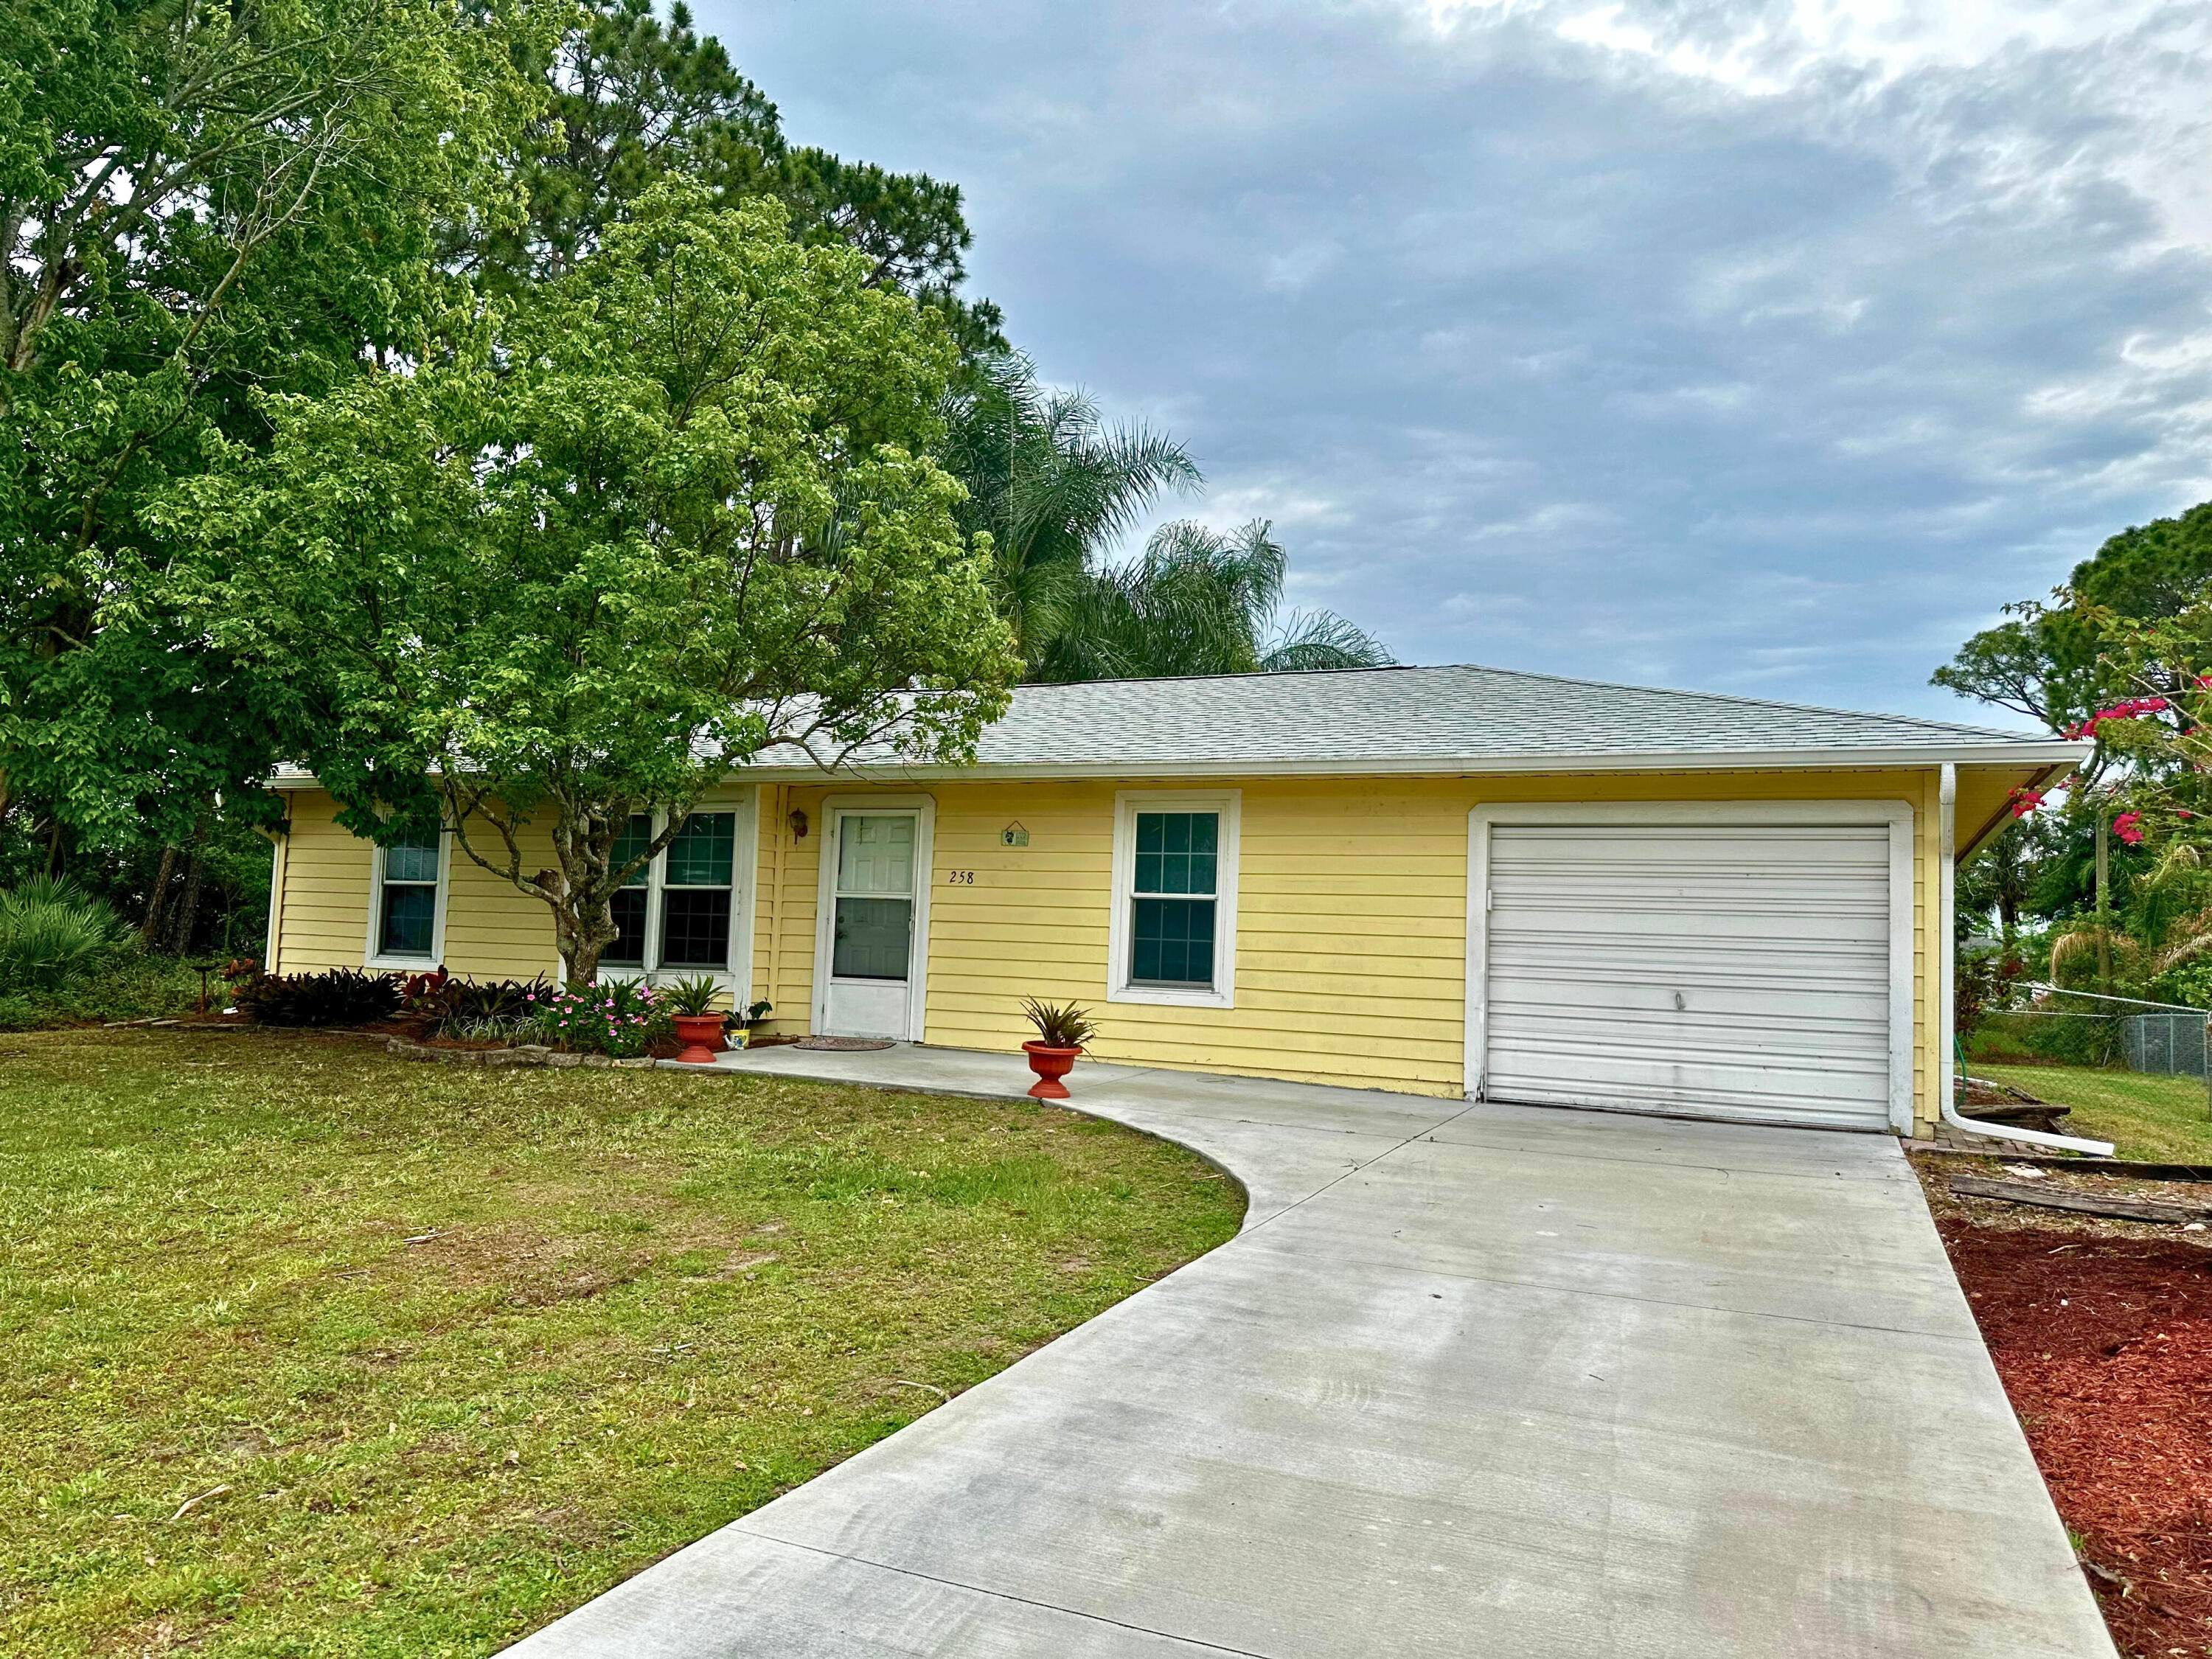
{"x": 833, "y": 810}
{"x": 1896, "y": 814}
{"x": 373, "y": 960}
{"x": 1230, "y": 803}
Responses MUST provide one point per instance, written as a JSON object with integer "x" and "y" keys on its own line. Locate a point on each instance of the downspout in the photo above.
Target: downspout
{"x": 1946, "y": 835}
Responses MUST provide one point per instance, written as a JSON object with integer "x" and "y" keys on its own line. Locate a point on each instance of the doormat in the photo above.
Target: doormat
{"x": 844, "y": 1045}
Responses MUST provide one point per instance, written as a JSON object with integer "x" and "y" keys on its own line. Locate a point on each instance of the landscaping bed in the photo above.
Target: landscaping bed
{"x": 311, "y": 1351}
{"x": 2101, "y": 1330}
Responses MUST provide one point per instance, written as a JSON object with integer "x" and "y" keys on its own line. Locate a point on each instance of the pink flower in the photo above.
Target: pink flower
{"x": 2128, "y": 828}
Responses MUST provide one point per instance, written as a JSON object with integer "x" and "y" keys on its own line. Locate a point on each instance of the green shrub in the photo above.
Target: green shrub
{"x": 340, "y": 997}
{"x": 121, "y": 982}
{"x": 50, "y": 931}
{"x": 478, "y": 1008}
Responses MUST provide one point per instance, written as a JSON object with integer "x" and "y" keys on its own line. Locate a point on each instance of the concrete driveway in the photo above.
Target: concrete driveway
{"x": 1473, "y": 1380}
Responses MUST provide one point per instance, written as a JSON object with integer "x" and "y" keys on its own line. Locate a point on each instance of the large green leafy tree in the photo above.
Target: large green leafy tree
{"x": 604, "y": 546}
{"x": 633, "y": 98}
{"x": 1198, "y": 602}
{"x": 199, "y": 199}
{"x": 2049, "y": 661}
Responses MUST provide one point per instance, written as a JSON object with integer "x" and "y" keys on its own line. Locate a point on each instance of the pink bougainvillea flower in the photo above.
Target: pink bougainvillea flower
{"x": 2128, "y": 828}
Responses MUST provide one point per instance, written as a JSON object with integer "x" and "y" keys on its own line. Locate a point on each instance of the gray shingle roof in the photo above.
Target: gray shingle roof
{"x": 1452, "y": 718}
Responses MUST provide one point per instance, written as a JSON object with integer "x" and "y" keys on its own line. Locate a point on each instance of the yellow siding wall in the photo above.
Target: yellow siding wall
{"x": 1351, "y": 914}
{"x": 320, "y": 910}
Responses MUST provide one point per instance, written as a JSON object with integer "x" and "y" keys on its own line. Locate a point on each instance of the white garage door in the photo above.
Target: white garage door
{"x": 1714, "y": 968}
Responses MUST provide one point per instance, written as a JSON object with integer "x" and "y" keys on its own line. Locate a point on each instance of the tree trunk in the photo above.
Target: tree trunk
{"x": 150, "y": 929}
{"x": 2104, "y": 908}
{"x": 57, "y": 842}
{"x": 188, "y": 907}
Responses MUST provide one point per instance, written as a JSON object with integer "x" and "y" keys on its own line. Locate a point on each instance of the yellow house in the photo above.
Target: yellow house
{"x": 1444, "y": 881}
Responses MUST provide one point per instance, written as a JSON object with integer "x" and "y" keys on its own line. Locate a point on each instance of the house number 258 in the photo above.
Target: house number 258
{"x": 961, "y": 878}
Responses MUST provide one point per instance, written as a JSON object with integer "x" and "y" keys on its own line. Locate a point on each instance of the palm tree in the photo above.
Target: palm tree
{"x": 1197, "y": 601}
{"x": 1051, "y": 483}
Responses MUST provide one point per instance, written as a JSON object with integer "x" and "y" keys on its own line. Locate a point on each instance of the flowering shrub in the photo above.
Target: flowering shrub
{"x": 623, "y": 1018}
{"x": 2133, "y": 708}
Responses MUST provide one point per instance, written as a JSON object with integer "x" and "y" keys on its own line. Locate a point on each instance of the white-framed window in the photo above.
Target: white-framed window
{"x": 685, "y": 913}
{"x": 407, "y": 904}
{"x": 1173, "y": 938}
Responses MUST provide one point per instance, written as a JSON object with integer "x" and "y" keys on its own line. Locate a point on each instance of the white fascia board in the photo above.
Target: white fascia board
{"x": 2053, "y": 753}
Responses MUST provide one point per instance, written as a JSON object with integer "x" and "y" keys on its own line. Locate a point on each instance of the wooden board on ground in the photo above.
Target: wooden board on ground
{"x": 2124, "y": 1209}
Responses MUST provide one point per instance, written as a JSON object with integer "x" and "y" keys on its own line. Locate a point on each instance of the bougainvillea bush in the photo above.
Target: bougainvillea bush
{"x": 623, "y": 1018}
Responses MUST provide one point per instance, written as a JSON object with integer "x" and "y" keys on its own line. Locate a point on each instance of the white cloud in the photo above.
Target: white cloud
{"x": 1760, "y": 345}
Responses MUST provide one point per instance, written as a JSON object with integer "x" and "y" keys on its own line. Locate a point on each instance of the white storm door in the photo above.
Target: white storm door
{"x": 871, "y": 933}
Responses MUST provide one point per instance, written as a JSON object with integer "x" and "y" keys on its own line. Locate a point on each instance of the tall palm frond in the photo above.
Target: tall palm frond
{"x": 1051, "y": 483}
{"x": 1313, "y": 639}
{"x": 1198, "y": 601}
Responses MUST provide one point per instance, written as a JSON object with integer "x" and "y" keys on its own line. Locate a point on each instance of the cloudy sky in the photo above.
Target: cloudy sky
{"x": 1756, "y": 347}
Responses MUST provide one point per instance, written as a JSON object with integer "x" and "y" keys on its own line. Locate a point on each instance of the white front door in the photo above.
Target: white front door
{"x": 868, "y": 992}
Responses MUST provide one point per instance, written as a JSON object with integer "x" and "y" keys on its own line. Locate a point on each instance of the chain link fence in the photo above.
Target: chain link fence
{"x": 2085, "y": 1028}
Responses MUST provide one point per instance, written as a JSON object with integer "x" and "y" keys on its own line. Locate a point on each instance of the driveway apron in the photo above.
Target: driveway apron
{"x": 1474, "y": 1379}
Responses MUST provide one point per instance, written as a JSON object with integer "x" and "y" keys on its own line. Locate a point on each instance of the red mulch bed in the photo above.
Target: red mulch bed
{"x": 2105, "y": 1345}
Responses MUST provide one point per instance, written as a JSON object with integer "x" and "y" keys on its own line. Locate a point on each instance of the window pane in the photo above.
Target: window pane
{"x": 700, "y": 854}
{"x": 695, "y": 931}
{"x": 1172, "y": 942}
{"x": 873, "y": 936}
{"x": 875, "y": 855}
{"x": 1176, "y": 851}
{"x": 412, "y": 860}
{"x": 628, "y": 948}
{"x": 409, "y": 913}
{"x": 637, "y": 836}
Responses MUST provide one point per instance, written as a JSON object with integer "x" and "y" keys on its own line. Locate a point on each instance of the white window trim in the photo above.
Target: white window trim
{"x": 835, "y": 808}
{"x": 372, "y": 956}
{"x": 735, "y": 975}
{"x": 1127, "y": 803}
{"x": 1896, "y": 814}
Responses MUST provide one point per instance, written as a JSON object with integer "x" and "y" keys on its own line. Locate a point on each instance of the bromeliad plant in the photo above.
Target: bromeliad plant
{"x": 623, "y": 1018}
{"x": 1058, "y": 1027}
{"x": 692, "y": 998}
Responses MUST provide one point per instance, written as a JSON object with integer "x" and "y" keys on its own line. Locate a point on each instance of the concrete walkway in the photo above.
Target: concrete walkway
{"x": 1473, "y": 1380}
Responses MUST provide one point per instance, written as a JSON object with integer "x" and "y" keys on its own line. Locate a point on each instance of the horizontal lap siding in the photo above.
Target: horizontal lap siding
{"x": 322, "y": 914}
{"x": 1352, "y": 918}
{"x": 1351, "y": 940}
{"x": 492, "y": 930}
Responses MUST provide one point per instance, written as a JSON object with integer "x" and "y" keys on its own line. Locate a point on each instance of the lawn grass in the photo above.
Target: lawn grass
{"x": 427, "y": 1356}
{"x": 2162, "y": 1120}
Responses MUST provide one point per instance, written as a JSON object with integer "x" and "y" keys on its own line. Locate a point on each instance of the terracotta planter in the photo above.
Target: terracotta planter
{"x": 1050, "y": 1065}
{"x": 698, "y": 1033}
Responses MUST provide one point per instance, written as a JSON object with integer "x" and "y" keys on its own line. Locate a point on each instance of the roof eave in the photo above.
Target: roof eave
{"x": 2026, "y": 754}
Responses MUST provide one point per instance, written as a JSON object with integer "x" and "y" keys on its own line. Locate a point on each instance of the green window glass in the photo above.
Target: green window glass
{"x": 629, "y": 905}
{"x": 700, "y": 856}
{"x": 407, "y": 926}
{"x": 1171, "y": 932}
{"x": 696, "y": 897}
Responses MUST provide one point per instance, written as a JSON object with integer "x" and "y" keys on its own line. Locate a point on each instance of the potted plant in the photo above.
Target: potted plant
{"x": 745, "y": 1026}
{"x": 1061, "y": 1035}
{"x": 698, "y": 1028}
